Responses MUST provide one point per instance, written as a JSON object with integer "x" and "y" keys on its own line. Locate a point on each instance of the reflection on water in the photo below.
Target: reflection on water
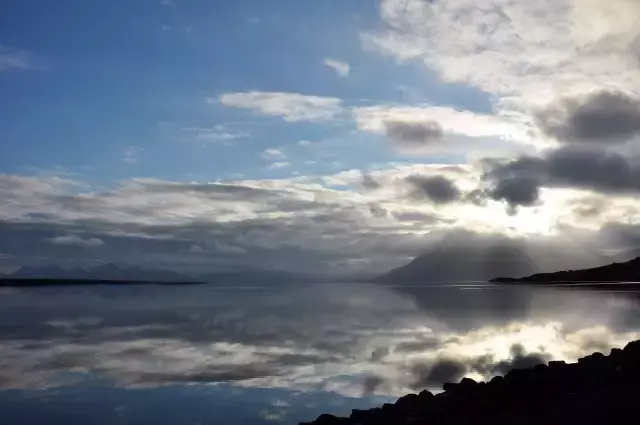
{"x": 266, "y": 355}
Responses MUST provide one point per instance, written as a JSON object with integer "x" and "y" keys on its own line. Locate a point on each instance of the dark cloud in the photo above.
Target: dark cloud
{"x": 415, "y": 216}
{"x": 377, "y": 211}
{"x": 599, "y": 117}
{"x": 516, "y": 191}
{"x": 417, "y": 346}
{"x": 413, "y": 135}
{"x": 598, "y": 170}
{"x": 519, "y": 360}
{"x": 369, "y": 182}
{"x": 589, "y": 207}
{"x": 438, "y": 189}
{"x": 444, "y": 370}
{"x": 371, "y": 384}
{"x": 379, "y": 353}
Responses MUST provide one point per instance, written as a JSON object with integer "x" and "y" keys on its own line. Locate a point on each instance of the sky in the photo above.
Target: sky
{"x": 335, "y": 135}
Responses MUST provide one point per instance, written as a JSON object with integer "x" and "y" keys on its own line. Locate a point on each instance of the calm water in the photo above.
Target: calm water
{"x": 253, "y": 355}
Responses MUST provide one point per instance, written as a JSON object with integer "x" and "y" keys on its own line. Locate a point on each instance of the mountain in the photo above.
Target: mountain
{"x": 616, "y": 272}
{"x": 114, "y": 272}
{"x": 483, "y": 259}
{"x": 107, "y": 271}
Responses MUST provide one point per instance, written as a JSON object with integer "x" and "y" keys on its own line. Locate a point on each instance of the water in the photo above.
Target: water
{"x": 265, "y": 355}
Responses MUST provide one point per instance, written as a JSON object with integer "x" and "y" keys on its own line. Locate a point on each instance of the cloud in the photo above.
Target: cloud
{"x": 12, "y": 58}
{"x": 597, "y": 170}
{"x": 300, "y": 223}
{"x": 279, "y": 165}
{"x": 523, "y": 52}
{"x": 412, "y": 136}
{"x": 371, "y": 384}
{"x": 226, "y": 248}
{"x": 370, "y": 183}
{"x": 341, "y": 68}
{"x": 131, "y": 155}
{"x": 598, "y": 117}
{"x": 413, "y": 215}
{"x": 289, "y": 106}
{"x": 437, "y": 121}
{"x": 220, "y": 133}
{"x": 377, "y": 210}
{"x": 438, "y": 189}
{"x": 273, "y": 153}
{"x": 444, "y": 370}
{"x": 76, "y": 240}
{"x": 306, "y": 338}
{"x": 520, "y": 360}
{"x": 517, "y": 191}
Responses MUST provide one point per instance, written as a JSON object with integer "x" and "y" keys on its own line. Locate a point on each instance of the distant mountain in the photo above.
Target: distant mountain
{"x": 481, "y": 260}
{"x": 616, "y": 272}
{"x": 107, "y": 271}
{"x": 114, "y": 272}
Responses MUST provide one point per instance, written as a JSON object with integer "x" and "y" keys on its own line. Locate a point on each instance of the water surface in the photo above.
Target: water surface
{"x": 258, "y": 355}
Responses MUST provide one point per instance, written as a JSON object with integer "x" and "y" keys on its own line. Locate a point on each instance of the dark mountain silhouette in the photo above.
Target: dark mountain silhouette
{"x": 107, "y": 271}
{"x": 120, "y": 273}
{"x": 598, "y": 389}
{"x": 616, "y": 272}
{"x": 483, "y": 259}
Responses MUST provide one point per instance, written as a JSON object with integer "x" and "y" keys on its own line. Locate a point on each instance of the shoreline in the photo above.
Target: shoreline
{"x": 597, "y": 389}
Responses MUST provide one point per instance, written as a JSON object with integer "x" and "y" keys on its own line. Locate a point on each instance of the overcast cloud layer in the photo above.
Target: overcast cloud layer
{"x": 490, "y": 119}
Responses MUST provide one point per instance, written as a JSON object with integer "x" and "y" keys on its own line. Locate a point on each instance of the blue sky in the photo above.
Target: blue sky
{"x": 305, "y": 134}
{"x": 109, "y": 78}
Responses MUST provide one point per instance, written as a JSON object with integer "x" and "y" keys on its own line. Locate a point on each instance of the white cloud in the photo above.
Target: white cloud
{"x": 131, "y": 155}
{"x": 341, "y": 68}
{"x": 12, "y": 58}
{"x": 218, "y": 134}
{"x": 373, "y": 119}
{"x": 526, "y": 53}
{"x": 289, "y": 106}
{"x": 273, "y": 153}
{"x": 158, "y": 220}
{"x": 279, "y": 165}
{"x": 76, "y": 240}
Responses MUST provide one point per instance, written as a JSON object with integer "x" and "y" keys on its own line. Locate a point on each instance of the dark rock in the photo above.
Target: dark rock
{"x": 449, "y": 386}
{"x": 468, "y": 382}
{"x": 617, "y": 272}
{"x": 408, "y": 401}
{"x": 326, "y": 419}
{"x": 598, "y": 389}
{"x": 632, "y": 348}
{"x": 424, "y": 394}
{"x": 364, "y": 416}
{"x": 541, "y": 368}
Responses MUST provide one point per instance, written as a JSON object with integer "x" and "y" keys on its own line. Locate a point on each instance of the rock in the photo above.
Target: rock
{"x": 616, "y": 353}
{"x": 424, "y": 394}
{"x": 556, "y": 364}
{"x": 541, "y": 368}
{"x": 364, "y": 416}
{"x": 408, "y": 401}
{"x": 597, "y": 389}
{"x": 468, "y": 382}
{"x": 326, "y": 419}
{"x": 449, "y": 386}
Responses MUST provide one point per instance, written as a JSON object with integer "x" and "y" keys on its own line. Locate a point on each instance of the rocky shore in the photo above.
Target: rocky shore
{"x": 598, "y": 389}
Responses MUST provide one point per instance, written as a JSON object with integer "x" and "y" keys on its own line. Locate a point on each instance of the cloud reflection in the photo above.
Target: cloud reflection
{"x": 349, "y": 339}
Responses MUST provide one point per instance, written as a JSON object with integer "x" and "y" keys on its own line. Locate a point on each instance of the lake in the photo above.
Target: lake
{"x": 209, "y": 354}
